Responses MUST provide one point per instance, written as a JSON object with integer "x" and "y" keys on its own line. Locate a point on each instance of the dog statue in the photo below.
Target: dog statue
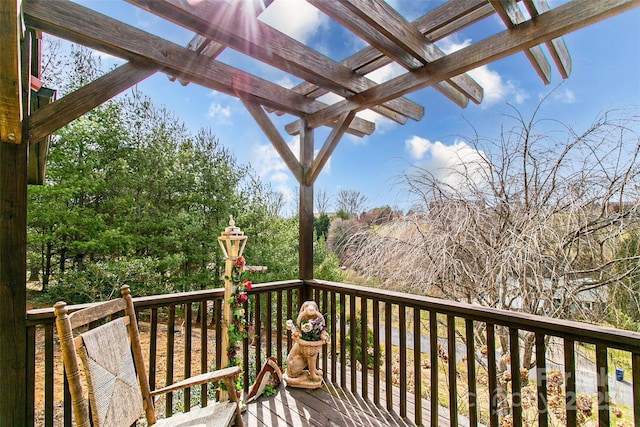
{"x": 301, "y": 362}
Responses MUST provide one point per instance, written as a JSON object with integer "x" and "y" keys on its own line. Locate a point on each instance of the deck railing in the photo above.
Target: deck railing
{"x": 423, "y": 358}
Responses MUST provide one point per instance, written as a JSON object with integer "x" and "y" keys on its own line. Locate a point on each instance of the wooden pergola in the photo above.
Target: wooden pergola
{"x": 28, "y": 116}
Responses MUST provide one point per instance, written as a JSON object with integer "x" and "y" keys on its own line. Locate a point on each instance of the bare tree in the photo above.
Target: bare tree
{"x": 275, "y": 203}
{"x": 323, "y": 201}
{"x": 532, "y": 221}
{"x": 351, "y": 201}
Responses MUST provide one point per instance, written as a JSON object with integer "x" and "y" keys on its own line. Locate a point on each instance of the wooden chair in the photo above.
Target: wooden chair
{"x": 112, "y": 356}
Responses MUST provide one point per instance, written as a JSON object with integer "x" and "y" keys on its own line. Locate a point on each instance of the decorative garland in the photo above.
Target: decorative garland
{"x": 237, "y": 330}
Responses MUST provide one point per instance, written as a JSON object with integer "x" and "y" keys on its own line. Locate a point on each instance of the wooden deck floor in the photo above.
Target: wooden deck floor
{"x": 329, "y": 406}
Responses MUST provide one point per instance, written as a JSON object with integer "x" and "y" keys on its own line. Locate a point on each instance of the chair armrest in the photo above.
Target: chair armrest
{"x": 207, "y": 377}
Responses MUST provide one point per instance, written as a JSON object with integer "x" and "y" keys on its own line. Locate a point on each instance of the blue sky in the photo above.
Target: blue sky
{"x": 605, "y": 75}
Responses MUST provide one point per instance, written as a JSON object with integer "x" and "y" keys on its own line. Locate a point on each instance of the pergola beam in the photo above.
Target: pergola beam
{"x": 435, "y": 25}
{"x": 557, "y": 48}
{"x": 10, "y": 81}
{"x": 82, "y": 25}
{"x": 53, "y": 116}
{"x": 547, "y": 26}
{"x": 327, "y": 148}
{"x": 511, "y": 16}
{"x": 386, "y": 30}
{"x": 212, "y": 49}
{"x": 270, "y": 131}
{"x": 218, "y": 21}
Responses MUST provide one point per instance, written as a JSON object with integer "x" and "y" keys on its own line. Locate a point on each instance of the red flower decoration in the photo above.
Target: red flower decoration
{"x": 241, "y": 298}
{"x": 239, "y": 263}
{"x": 247, "y": 284}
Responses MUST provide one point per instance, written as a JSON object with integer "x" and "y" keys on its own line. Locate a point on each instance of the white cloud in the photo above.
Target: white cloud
{"x": 447, "y": 163}
{"x": 417, "y": 146}
{"x": 296, "y": 18}
{"x": 266, "y": 161}
{"x": 386, "y": 73}
{"x": 450, "y": 44}
{"x": 271, "y": 168}
{"x": 219, "y": 114}
{"x": 285, "y": 81}
{"x": 279, "y": 177}
{"x": 496, "y": 89}
{"x": 566, "y": 96}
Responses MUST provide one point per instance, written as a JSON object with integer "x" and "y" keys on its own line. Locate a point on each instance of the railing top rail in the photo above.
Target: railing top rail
{"x": 45, "y": 315}
{"x": 283, "y": 285}
{"x": 577, "y": 331}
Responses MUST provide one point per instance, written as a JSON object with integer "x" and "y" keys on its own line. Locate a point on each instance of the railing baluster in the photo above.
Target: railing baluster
{"x": 48, "y": 375}
{"x": 388, "y": 353}
{"x": 333, "y": 334}
{"x": 417, "y": 365}
{"x": 453, "y": 378}
{"x": 353, "y": 326}
{"x": 635, "y": 368}
{"x": 433, "y": 360}
{"x": 187, "y": 355}
{"x": 471, "y": 373}
{"x": 541, "y": 380}
{"x": 343, "y": 340}
{"x": 325, "y": 312}
{"x": 204, "y": 350}
{"x": 300, "y": 298}
{"x": 603, "y": 385}
{"x": 516, "y": 394}
{"x": 289, "y": 316}
{"x": 217, "y": 320}
{"x": 171, "y": 330}
{"x": 376, "y": 352}
{"x": 364, "y": 347}
{"x": 153, "y": 351}
{"x": 258, "y": 342}
{"x": 402, "y": 332}
{"x": 570, "y": 382}
{"x": 31, "y": 374}
{"x": 268, "y": 326}
{"x": 279, "y": 323}
{"x": 245, "y": 355}
{"x": 492, "y": 374}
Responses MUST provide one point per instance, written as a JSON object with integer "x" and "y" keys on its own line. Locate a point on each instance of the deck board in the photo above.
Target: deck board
{"x": 329, "y": 406}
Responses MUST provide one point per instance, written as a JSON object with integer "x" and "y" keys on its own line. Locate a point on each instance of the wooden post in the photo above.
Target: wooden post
{"x": 13, "y": 290}
{"x": 13, "y": 220}
{"x": 232, "y": 242}
{"x": 305, "y": 254}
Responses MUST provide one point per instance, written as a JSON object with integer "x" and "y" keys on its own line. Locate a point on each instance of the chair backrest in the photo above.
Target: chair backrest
{"x": 118, "y": 387}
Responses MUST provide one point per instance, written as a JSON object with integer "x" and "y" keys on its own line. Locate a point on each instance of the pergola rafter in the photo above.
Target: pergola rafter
{"x": 532, "y": 27}
{"x": 548, "y": 26}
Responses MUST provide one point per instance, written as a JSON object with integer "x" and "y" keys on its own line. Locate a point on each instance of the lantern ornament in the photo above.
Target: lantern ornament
{"x": 232, "y": 241}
